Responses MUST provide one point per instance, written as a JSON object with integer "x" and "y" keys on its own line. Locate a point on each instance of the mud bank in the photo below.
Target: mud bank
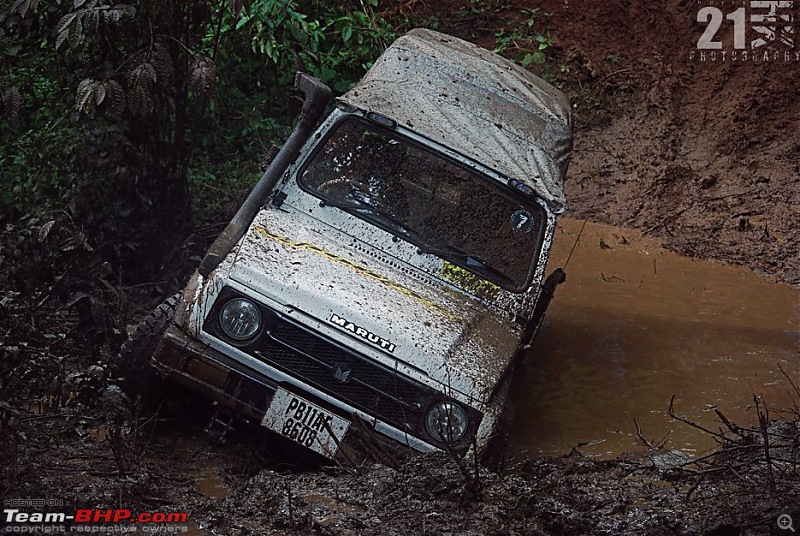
{"x": 231, "y": 489}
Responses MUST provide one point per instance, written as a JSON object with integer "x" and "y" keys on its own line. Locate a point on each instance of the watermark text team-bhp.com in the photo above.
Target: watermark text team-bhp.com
{"x": 88, "y": 520}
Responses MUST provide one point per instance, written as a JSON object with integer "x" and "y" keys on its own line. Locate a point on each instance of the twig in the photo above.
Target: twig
{"x": 684, "y": 420}
{"x": 794, "y": 386}
{"x": 371, "y": 443}
{"x": 344, "y": 452}
{"x": 739, "y": 194}
{"x": 471, "y": 484}
{"x": 615, "y": 73}
{"x": 663, "y": 441}
{"x": 662, "y": 222}
{"x": 289, "y": 502}
{"x": 641, "y": 436}
{"x": 574, "y": 245}
{"x": 728, "y": 450}
{"x": 60, "y": 416}
{"x": 733, "y": 427}
{"x": 763, "y": 422}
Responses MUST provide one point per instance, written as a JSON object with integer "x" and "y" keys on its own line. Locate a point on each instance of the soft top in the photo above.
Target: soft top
{"x": 474, "y": 102}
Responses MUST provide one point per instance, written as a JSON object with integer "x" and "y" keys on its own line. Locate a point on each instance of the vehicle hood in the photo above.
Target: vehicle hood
{"x": 384, "y": 308}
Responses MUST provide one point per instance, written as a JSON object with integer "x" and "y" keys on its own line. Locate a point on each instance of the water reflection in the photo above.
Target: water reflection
{"x": 634, "y": 325}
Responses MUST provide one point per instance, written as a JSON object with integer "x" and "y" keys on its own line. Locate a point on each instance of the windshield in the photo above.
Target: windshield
{"x": 441, "y": 206}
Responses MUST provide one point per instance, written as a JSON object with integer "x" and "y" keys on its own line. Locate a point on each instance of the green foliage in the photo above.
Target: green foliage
{"x": 523, "y": 42}
{"x": 113, "y": 114}
{"x": 332, "y": 41}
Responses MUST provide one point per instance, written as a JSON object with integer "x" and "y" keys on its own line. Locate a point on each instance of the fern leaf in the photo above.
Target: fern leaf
{"x": 162, "y": 63}
{"x": 11, "y": 103}
{"x": 115, "y": 99}
{"x": 76, "y": 33}
{"x": 116, "y": 13}
{"x": 78, "y": 3}
{"x": 65, "y": 21}
{"x": 142, "y": 74}
{"x": 140, "y": 81}
{"x": 92, "y": 21}
{"x": 24, "y": 7}
{"x": 44, "y": 230}
{"x": 238, "y": 5}
{"x": 139, "y": 101}
{"x": 202, "y": 76}
{"x": 83, "y": 97}
{"x": 60, "y": 38}
{"x": 99, "y": 93}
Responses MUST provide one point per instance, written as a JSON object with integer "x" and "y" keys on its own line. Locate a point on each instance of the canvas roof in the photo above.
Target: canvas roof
{"x": 476, "y": 103}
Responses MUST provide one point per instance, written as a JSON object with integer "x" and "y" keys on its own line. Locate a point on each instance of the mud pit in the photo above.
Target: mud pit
{"x": 705, "y": 156}
{"x": 635, "y": 324}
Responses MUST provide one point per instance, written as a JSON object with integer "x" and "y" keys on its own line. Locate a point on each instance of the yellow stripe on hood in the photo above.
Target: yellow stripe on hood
{"x": 288, "y": 242}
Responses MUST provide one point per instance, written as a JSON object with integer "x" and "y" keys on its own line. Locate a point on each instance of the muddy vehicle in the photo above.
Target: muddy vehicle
{"x": 375, "y": 290}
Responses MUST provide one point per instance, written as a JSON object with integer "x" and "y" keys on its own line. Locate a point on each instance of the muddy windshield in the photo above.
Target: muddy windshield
{"x": 441, "y": 206}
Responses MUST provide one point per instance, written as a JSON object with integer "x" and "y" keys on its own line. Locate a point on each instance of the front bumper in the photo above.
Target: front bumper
{"x": 248, "y": 393}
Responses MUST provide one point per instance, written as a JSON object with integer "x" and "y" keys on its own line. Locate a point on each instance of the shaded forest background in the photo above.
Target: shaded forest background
{"x": 126, "y": 126}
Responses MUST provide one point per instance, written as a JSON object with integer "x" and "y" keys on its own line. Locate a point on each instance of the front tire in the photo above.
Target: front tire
{"x": 133, "y": 361}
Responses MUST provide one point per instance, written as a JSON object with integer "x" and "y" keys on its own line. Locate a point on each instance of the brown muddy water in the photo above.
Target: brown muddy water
{"x": 634, "y": 325}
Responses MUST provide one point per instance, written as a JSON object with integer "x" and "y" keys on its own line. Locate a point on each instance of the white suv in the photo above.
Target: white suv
{"x": 378, "y": 286}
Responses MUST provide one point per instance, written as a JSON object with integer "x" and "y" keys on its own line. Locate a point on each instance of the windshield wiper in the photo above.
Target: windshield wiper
{"x": 360, "y": 207}
{"x": 468, "y": 262}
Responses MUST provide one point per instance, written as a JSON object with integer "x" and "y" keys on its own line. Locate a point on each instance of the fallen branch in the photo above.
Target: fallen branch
{"x": 730, "y": 450}
{"x": 733, "y": 427}
{"x": 720, "y": 437}
{"x": 649, "y": 444}
{"x": 641, "y": 436}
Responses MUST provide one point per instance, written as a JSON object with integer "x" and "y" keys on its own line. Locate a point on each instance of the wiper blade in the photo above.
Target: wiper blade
{"x": 375, "y": 215}
{"x": 463, "y": 259}
{"x": 382, "y": 219}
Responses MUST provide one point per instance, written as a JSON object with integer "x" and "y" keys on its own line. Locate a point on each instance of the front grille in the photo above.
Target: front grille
{"x": 371, "y": 387}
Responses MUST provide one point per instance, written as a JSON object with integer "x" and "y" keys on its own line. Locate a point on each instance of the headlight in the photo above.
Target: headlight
{"x": 240, "y": 319}
{"x": 447, "y": 422}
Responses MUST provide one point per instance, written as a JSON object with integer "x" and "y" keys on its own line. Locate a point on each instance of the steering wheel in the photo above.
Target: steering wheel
{"x": 336, "y": 187}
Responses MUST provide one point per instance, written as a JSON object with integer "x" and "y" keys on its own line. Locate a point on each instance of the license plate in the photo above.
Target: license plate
{"x": 305, "y": 423}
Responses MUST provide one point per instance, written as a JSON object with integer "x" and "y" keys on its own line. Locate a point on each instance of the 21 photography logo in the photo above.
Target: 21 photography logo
{"x": 747, "y": 31}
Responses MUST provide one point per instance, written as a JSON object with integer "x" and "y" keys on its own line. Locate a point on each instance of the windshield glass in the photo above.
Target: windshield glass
{"x": 441, "y": 206}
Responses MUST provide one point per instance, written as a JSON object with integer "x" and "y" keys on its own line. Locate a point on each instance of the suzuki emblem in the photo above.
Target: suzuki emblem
{"x": 342, "y": 373}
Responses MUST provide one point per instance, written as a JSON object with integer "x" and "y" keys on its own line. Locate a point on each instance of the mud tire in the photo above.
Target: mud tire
{"x": 133, "y": 361}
